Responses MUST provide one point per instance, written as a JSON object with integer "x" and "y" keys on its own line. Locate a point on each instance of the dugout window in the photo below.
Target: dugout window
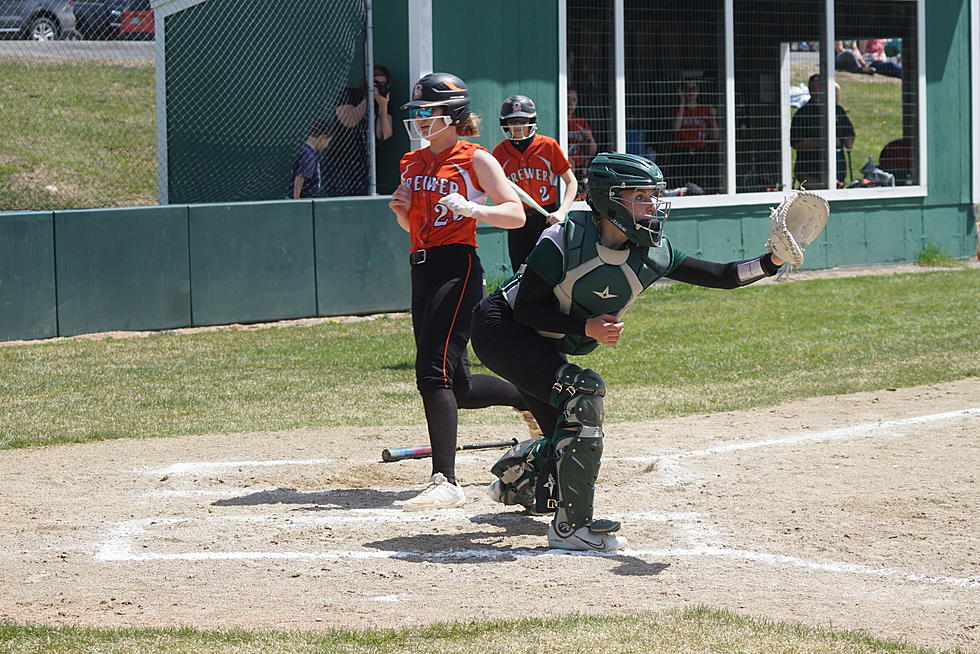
{"x": 876, "y": 65}
{"x": 751, "y": 62}
{"x": 768, "y": 37}
{"x": 591, "y": 74}
{"x": 675, "y": 91}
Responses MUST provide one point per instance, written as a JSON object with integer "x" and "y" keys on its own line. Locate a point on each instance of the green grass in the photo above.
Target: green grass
{"x": 685, "y": 350}
{"x": 76, "y": 135}
{"x": 874, "y": 105}
{"x": 690, "y": 631}
{"x": 932, "y": 256}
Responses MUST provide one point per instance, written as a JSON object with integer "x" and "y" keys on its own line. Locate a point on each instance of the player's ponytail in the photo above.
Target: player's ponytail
{"x": 469, "y": 127}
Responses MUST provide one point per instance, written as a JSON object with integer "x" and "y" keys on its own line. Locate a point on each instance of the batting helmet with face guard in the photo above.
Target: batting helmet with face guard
{"x": 442, "y": 90}
{"x": 518, "y": 106}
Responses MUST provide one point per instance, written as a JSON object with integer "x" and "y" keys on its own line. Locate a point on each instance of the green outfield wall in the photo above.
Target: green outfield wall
{"x": 28, "y": 301}
{"x": 151, "y": 268}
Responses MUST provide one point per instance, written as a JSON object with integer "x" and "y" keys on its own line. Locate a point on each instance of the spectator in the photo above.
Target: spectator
{"x": 874, "y": 52}
{"x": 807, "y": 137}
{"x": 581, "y": 143}
{"x": 849, "y": 58}
{"x": 347, "y": 159}
{"x": 305, "y": 180}
{"x": 694, "y": 128}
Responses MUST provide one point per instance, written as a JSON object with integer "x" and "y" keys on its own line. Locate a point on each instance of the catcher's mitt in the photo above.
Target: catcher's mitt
{"x": 794, "y": 224}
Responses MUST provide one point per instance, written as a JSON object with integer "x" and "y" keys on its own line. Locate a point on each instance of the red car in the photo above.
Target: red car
{"x": 136, "y": 21}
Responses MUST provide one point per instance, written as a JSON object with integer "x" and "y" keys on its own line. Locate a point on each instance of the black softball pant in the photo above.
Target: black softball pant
{"x": 445, "y": 288}
{"x": 518, "y": 354}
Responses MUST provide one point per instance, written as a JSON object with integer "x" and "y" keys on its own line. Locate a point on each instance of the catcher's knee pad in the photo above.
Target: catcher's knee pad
{"x": 577, "y": 394}
{"x": 517, "y": 472}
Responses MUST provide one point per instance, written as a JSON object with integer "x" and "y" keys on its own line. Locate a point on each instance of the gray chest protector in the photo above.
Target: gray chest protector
{"x": 595, "y": 279}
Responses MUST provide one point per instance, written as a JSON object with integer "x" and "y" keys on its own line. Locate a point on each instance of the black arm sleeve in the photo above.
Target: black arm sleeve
{"x": 535, "y": 307}
{"x": 717, "y": 275}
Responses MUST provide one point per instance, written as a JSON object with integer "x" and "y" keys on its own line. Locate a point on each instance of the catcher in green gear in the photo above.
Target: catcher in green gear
{"x": 568, "y": 298}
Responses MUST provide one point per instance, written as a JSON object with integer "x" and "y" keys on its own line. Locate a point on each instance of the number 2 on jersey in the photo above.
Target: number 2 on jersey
{"x": 443, "y": 214}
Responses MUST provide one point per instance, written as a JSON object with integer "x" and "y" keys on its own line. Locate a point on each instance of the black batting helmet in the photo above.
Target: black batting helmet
{"x": 442, "y": 90}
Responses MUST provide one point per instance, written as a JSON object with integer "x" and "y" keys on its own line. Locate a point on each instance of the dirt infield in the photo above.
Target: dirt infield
{"x": 855, "y": 511}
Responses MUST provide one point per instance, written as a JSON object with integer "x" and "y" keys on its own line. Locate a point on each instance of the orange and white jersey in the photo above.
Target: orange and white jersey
{"x": 537, "y": 169}
{"x": 429, "y": 177}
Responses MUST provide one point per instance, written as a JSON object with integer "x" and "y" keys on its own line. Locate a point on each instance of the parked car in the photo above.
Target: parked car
{"x": 98, "y": 19}
{"x": 137, "y": 21}
{"x": 40, "y": 20}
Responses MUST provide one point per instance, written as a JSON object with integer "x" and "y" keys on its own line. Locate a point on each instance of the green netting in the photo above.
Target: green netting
{"x": 244, "y": 81}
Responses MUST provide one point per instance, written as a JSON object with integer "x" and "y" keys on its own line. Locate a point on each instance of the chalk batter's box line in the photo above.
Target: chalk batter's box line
{"x": 119, "y": 547}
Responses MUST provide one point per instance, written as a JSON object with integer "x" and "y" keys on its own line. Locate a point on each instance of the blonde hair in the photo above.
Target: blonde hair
{"x": 469, "y": 127}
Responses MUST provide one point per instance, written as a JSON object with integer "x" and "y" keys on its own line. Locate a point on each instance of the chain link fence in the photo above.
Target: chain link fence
{"x": 112, "y": 103}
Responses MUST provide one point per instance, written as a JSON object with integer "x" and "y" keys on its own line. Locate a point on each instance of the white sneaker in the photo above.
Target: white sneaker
{"x": 439, "y": 494}
{"x": 584, "y": 539}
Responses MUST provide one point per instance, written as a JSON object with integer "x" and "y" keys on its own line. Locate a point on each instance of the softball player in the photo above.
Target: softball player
{"x": 439, "y": 203}
{"x": 579, "y": 280}
{"x": 534, "y": 162}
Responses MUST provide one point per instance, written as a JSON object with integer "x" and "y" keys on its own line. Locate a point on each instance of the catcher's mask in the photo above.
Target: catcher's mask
{"x": 518, "y": 112}
{"x": 436, "y": 90}
{"x": 626, "y": 189}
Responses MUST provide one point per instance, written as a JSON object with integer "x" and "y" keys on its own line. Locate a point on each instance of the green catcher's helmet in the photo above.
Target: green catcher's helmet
{"x": 626, "y": 189}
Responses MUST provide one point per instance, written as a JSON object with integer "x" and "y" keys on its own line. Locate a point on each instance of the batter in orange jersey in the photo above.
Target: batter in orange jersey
{"x": 439, "y": 203}
{"x": 534, "y": 162}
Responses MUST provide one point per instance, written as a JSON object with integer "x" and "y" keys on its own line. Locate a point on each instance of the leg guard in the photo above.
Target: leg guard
{"x": 576, "y": 448}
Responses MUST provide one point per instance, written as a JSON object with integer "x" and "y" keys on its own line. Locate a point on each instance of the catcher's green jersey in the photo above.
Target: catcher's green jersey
{"x": 590, "y": 279}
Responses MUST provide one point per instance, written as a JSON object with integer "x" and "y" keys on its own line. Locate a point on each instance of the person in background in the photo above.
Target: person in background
{"x": 694, "y": 127}
{"x": 305, "y": 180}
{"x": 806, "y": 137}
{"x": 346, "y": 161}
{"x": 874, "y": 52}
{"x": 534, "y": 162}
{"x": 581, "y": 142}
{"x": 848, "y": 58}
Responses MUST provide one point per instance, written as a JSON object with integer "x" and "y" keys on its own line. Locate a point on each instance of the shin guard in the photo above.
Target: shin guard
{"x": 577, "y": 447}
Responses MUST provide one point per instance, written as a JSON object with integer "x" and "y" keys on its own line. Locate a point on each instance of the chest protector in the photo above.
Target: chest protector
{"x": 598, "y": 280}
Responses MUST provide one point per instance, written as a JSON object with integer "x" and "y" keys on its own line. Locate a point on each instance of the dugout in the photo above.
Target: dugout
{"x": 627, "y": 59}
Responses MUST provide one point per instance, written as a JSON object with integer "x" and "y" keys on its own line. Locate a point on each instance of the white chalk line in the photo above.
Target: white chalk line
{"x": 121, "y": 551}
{"x": 841, "y": 433}
{"x": 231, "y": 467}
{"x": 669, "y": 463}
{"x": 119, "y": 546}
{"x": 198, "y": 467}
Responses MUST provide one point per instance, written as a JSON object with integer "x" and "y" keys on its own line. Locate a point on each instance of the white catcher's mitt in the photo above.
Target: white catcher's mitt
{"x": 794, "y": 224}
